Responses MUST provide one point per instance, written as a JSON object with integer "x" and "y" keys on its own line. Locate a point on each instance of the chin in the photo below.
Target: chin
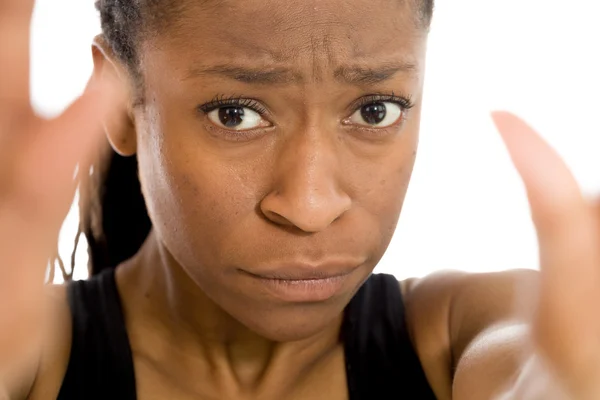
{"x": 292, "y": 323}
{"x": 283, "y": 314}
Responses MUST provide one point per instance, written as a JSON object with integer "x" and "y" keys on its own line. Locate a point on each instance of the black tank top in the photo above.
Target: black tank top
{"x": 380, "y": 360}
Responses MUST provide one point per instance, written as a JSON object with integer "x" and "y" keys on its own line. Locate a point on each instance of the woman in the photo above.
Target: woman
{"x": 275, "y": 143}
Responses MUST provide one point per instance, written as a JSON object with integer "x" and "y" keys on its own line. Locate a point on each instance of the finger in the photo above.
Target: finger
{"x": 15, "y": 20}
{"x": 550, "y": 185}
{"x": 563, "y": 218}
{"x": 596, "y": 211}
{"x": 52, "y": 155}
{"x": 568, "y": 239}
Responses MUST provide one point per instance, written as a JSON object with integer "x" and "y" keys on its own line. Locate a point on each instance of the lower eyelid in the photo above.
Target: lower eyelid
{"x": 227, "y": 133}
{"x": 238, "y": 135}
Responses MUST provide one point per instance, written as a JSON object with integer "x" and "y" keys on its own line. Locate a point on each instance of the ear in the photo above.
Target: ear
{"x": 120, "y": 130}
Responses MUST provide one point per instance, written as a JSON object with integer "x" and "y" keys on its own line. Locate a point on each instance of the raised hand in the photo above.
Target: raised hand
{"x": 566, "y": 329}
{"x": 38, "y": 160}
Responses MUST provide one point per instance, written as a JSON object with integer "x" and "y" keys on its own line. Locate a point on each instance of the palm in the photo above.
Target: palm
{"x": 37, "y": 163}
{"x": 567, "y": 324}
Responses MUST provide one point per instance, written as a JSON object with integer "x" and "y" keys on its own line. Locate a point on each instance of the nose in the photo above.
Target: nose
{"x": 306, "y": 191}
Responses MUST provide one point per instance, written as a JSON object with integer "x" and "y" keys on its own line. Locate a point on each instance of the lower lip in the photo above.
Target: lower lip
{"x": 304, "y": 291}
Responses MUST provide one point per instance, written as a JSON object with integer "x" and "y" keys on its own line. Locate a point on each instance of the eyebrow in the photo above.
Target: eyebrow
{"x": 353, "y": 75}
{"x": 268, "y": 76}
{"x": 362, "y": 75}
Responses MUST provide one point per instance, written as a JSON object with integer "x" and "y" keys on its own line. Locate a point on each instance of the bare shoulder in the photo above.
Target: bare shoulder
{"x": 447, "y": 310}
{"x": 56, "y": 347}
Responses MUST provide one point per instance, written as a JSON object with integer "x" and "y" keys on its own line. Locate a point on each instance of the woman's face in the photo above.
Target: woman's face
{"x": 276, "y": 141}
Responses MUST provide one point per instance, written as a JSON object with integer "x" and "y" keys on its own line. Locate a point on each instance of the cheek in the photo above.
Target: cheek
{"x": 380, "y": 185}
{"x": 194, "y": 199}
{"x": 204, "y": 204}
{"x": 396, "y": 185}
{"x": 392, "y": 192}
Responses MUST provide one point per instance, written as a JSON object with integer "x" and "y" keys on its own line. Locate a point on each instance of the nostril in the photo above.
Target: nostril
{"x": 276, "y": 217}
{"x": 309, "y": 209}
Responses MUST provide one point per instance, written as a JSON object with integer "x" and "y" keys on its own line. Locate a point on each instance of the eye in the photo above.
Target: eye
{"x": 381, "y": 114}
{"x": 237, "y": 118}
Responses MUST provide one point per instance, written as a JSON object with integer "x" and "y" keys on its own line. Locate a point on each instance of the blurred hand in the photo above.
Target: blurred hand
{"x": 38, "y": 160}
{"x": 566, "y": 328}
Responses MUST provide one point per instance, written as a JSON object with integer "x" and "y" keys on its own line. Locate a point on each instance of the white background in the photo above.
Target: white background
{"x": 466, "y": 208}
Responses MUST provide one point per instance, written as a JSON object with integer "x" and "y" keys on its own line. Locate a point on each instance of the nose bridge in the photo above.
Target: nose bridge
{"x": 308, "y": 164}
{"x": 307, "y": 192}
{"x": 304, "y": 157}
{"x": 309, "y": 151}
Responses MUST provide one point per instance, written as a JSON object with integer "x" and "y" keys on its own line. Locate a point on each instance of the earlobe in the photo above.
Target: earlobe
{"x": 120, "y": 129}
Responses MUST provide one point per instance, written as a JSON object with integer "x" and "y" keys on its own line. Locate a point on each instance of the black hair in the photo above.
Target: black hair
{"x": 113, "y": 215}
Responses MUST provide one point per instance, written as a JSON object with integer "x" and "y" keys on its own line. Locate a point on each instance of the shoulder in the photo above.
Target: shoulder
{"x": 471, "y": 303}
{"x": 448, "y": 310}
{"x": 57, "y": 345}
{"x": 467, "y": 296}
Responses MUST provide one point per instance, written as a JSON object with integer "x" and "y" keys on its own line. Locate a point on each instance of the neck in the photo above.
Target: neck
{"x": 182, "y": 326}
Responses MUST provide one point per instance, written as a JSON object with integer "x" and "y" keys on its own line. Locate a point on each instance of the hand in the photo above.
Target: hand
{"x": 566, "y": 328}
{"x": 38, "y": 160}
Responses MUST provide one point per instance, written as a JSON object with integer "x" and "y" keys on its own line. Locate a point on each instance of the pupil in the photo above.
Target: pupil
{"x": 231, "y": 116}
{"x": 374, "y": 113}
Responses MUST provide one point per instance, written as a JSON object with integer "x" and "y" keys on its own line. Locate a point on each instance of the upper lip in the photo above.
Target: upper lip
{"x": 306, "y": 271}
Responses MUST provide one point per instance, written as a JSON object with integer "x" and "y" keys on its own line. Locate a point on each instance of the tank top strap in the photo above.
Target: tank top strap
{"x": 101, "y": 363}
{"x": 381, "y": 362}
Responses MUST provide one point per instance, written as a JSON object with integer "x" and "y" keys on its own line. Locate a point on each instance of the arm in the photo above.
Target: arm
{"x": 470, "y": 330}
{"x": 501, "y": 365}
{"x": 17, "y": 381}
{"x": 38, "y": 159}
{"x": 510, "y": 337}
{"x": 489, "y": 331}
{"x": 565, "y": 327}
{"x": 490, "y": 334}
{"x": 36, "y": 366}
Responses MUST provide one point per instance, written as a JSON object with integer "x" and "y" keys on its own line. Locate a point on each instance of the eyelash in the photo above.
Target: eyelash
{"x": 404, "y": 101}
{"x": 238, "y": 101}
{"x": 222, "y": 101}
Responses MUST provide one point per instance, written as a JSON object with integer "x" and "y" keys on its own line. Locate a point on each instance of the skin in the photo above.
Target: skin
{"x": 309, "y": 185}
{"x": 308, "y": 188}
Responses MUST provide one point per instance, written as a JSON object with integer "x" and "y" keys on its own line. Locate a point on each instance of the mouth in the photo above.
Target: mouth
{"x": 305, "y": 283}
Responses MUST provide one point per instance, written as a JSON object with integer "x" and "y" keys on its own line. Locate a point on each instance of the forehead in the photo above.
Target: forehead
{"x": 300, "y": 32}
{"x": 314, "y": 39}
